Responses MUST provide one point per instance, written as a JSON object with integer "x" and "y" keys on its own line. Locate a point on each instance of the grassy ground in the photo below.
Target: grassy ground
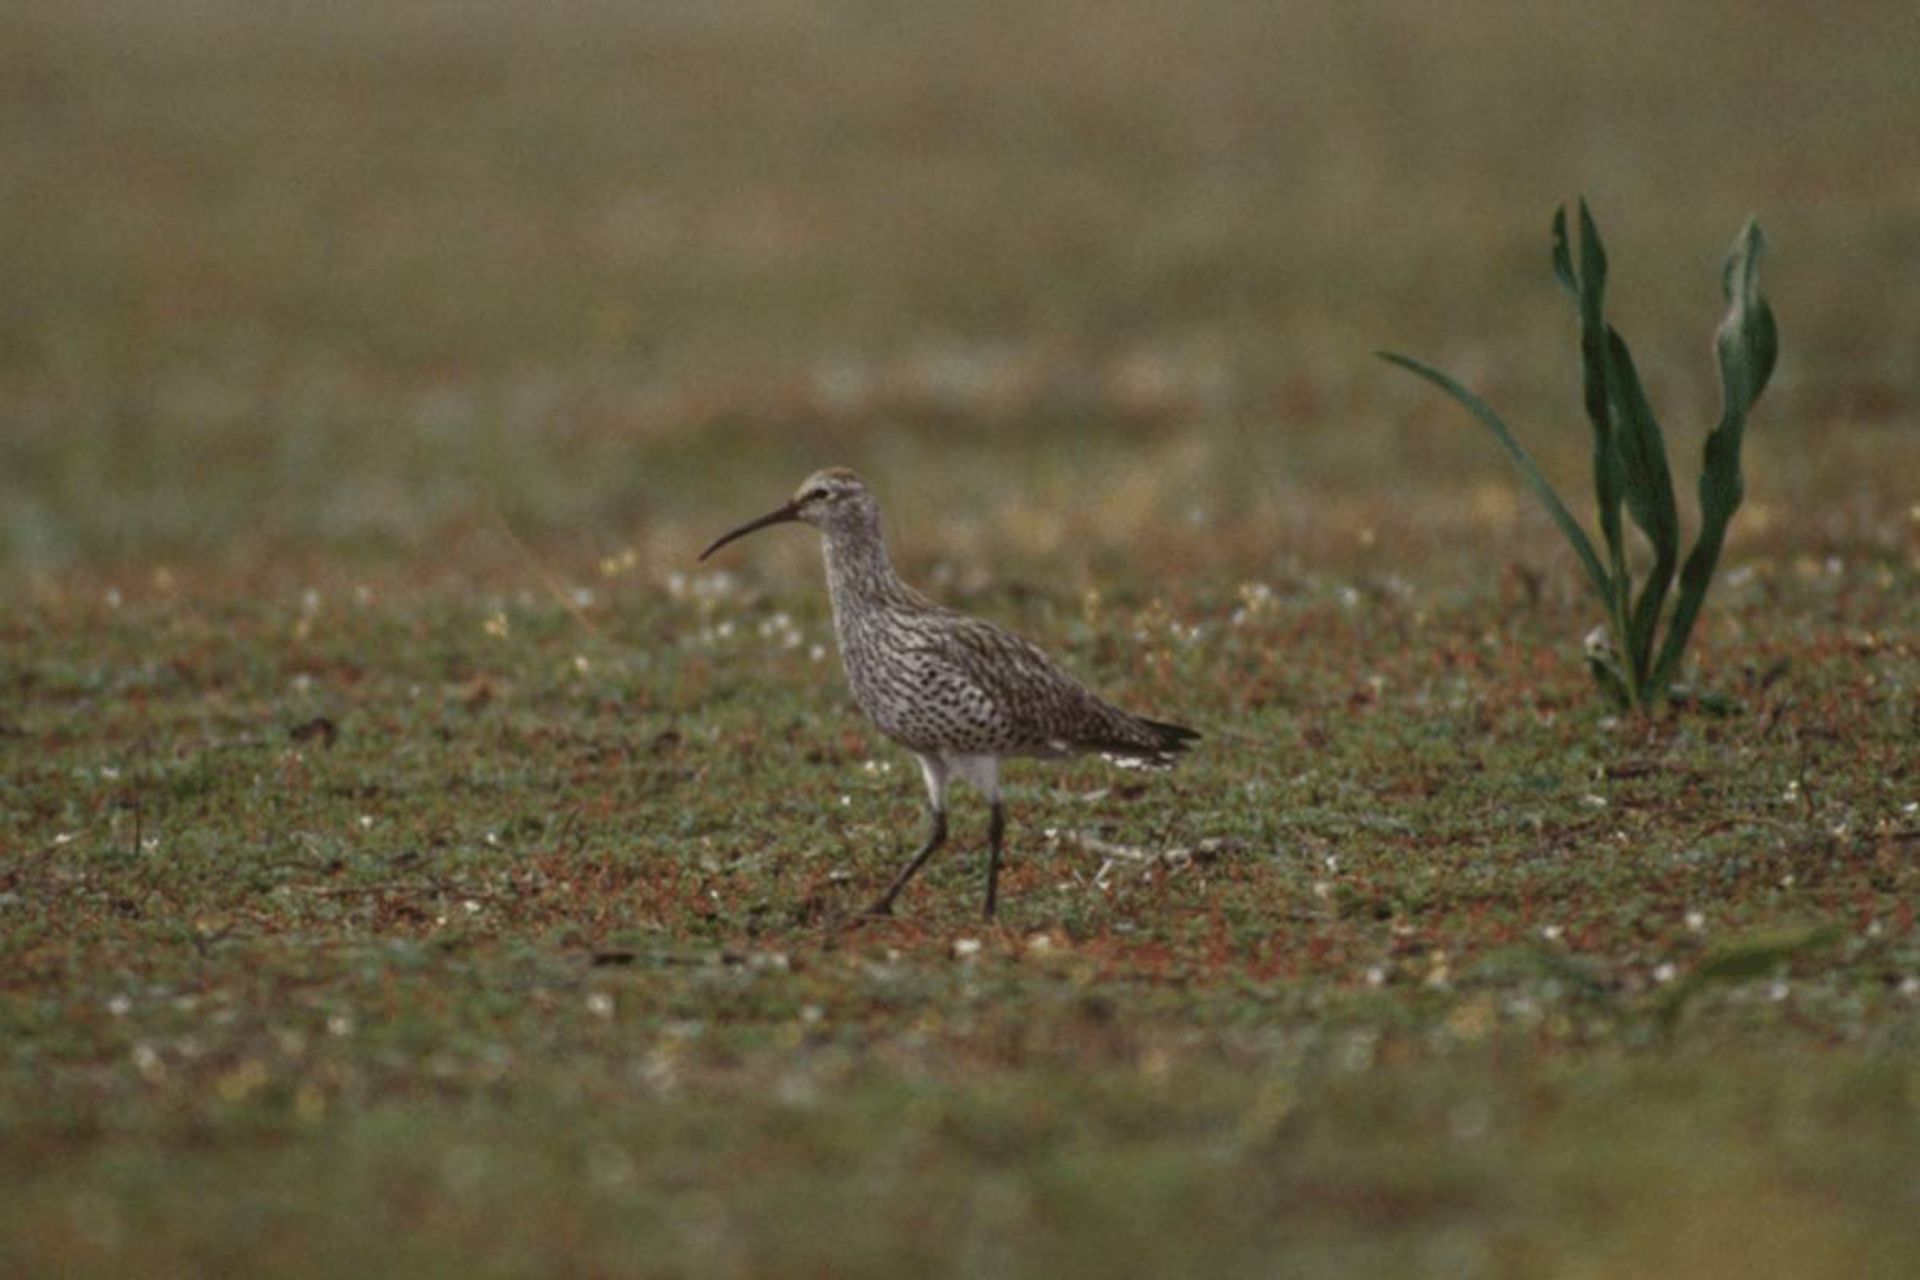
{"x": 411, "y": 861}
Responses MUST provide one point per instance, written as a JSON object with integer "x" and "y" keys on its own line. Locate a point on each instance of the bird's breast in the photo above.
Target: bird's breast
{"x": 916, "y": 695}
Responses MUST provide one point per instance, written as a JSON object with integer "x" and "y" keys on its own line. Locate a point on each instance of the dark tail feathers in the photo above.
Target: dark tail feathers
{"x": 1169, "y": 741}
{"x": 1174, "y": 738}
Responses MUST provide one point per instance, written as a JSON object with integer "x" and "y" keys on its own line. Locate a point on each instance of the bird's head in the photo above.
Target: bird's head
{"x": 832, "y": 501}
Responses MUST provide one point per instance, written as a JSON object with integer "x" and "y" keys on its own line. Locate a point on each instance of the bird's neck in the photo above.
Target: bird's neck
{"x": 860, "y": 577}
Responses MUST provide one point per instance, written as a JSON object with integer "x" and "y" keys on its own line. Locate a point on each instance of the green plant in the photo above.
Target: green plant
{"x": 1743, "y": 959}
{"x": 1630, "y": 462}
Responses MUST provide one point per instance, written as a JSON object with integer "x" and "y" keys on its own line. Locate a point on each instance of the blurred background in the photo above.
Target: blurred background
{"x": 1078, "y": 285}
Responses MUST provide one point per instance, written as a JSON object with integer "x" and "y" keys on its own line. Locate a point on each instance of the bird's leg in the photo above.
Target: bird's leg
{"x": 996, "y": 838}
{"x": 934, "y": 769}
{"x": 936, "y": 836}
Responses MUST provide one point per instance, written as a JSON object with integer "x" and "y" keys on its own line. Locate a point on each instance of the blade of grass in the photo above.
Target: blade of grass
{"x": 1529, "y": 471}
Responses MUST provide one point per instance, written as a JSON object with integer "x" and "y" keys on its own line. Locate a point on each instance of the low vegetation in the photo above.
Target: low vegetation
{"x": 1636, "y": 667}
{"x": 412, "y": 861}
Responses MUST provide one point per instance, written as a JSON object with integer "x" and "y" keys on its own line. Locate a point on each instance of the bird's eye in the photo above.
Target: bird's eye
{"x": 814, "y": 495}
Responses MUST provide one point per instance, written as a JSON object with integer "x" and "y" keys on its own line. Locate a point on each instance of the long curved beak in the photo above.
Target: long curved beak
{"x": 789, "y": 512}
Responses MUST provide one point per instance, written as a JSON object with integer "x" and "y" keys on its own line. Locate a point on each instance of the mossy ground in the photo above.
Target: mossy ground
{"x": 411, "y": 861}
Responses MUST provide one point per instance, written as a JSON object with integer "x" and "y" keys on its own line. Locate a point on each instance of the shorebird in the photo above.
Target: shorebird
{"x": 960, "y": 693}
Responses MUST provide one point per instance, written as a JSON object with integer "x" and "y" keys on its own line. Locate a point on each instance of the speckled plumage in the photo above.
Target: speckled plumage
{"x": 959, "y": 692}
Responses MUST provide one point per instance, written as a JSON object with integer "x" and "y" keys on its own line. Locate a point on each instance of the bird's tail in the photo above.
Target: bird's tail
{"x": 1160, "y": 745}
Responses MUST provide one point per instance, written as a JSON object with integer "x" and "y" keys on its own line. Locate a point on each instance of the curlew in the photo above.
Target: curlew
{"x": 960, "y": 693}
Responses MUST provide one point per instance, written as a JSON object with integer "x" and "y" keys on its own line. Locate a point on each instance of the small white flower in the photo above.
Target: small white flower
{"x": 1696, "y": 921}
{"x": 1665, "y": 972}
{"x": 599, "y": 1004}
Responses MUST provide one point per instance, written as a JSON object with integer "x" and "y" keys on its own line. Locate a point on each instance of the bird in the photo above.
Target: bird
{"x": 959, "y": 692}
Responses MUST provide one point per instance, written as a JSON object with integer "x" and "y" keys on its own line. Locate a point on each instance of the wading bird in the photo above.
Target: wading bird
{"x": 960, "y": 693}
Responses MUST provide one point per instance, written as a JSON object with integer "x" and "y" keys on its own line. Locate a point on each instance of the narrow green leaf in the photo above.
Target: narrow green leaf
{"x": 1528, "y": 470}
{"x": 1609, "y": 472}
{"x": 1593, "y": 361}
{"x": 1757, "y": 956}
{"x": 1562, "y": 257}
{"x": 1593, "y": 261}
{"x": 1748, "y": 345}
{"x": 1649, "y": 496}
{"x": 1760, "y": 954}
{"x": 1747, "y": 342}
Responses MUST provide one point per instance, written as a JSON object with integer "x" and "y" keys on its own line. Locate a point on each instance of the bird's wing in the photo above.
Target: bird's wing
{"x": 1047, "y": 708}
